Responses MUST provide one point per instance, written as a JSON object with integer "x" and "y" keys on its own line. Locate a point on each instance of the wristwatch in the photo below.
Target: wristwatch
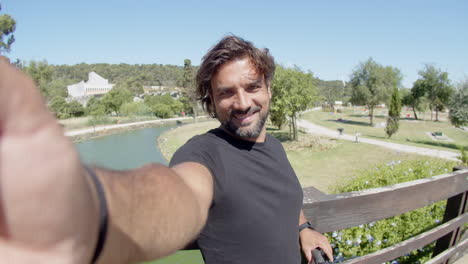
{"x": 305, "y": 225}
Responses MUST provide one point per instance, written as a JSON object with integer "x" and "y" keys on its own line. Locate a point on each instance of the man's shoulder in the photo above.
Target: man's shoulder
{"x": 205, "y": 138}
{"x": 274, "y": 142}
{"x": 197, "y": 148}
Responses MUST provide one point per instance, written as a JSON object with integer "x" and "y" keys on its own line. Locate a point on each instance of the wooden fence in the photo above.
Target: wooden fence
{"x": 329, "y": 213}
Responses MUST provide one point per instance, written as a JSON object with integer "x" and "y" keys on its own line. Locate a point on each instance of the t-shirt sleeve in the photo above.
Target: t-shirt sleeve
{"x": 205, "y": 152}
{"x": 193, "y": 151}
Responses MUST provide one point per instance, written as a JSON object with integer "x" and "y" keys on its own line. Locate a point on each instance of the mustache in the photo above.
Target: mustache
{"x": 249, "y": 111}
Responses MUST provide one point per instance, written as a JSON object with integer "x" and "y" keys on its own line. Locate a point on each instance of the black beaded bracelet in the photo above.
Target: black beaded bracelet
{"x": 103, "y": 215}
{"x": 305, "y": 225}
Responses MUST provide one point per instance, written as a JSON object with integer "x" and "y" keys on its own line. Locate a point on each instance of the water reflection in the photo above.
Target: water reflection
{"x": 126, "y": 150}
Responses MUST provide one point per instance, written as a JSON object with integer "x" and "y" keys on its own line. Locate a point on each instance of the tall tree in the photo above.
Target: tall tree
{"x": 459, "y": 106}
{"x": 114, "y": 99}
{"x": 188, "y": 92}
{"x": 59, "y": 107}
{"x": 293, "y": 91}
{"x": 76, "y": 109}
{"x": 372, "y": 84}
{"x": 41, "y": 73}
{"x": 94, "y": 107}
{"x": 436, "y": 85}
{"x": 393, "y": 113}
{"x": 331, "y": 91}
{"x": 415, "y": 97}
{"x": 7, "y": 27}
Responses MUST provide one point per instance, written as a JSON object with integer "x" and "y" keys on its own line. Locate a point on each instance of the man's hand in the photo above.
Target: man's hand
{"x": 311, "y": 240}
{"x": 42, "y": 217}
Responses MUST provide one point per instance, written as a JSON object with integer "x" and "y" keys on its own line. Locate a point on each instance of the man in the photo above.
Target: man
{"x": 232, "y": 189}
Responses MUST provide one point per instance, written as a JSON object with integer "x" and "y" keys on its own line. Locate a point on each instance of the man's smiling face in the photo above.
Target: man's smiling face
{"x": 241, "y": 99}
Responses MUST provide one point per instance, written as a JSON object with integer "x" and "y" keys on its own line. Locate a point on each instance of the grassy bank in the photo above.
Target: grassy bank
{"x": 173, "y": 139}
{"x": 322, "y": 167}
{"x": 411, "y": 132}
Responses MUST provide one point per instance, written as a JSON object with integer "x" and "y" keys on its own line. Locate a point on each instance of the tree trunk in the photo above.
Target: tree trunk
{"x": 294, "y": 126}
{"x": 414, "y": 111}
{"x": 430, "y": 107}
{"x": 371, "y": 115}
{"x": 437, "y": 114}
{"x": 194, "y": 106}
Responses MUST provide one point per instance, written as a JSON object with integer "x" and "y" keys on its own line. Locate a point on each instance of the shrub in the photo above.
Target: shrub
{"x": 374, "y": 236}
{"x": 135, "y": 109}
{"x": 463, "y": 156}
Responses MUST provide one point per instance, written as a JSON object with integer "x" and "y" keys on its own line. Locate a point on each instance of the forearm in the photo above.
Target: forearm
{"x": 152, "y": 214}
{"x": 302, "y": 218}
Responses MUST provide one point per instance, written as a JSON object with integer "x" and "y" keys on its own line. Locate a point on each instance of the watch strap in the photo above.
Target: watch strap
{"x": 305, "y": 225}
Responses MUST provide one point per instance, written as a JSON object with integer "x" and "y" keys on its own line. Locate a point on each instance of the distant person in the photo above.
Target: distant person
{"x": 231, "y": 190}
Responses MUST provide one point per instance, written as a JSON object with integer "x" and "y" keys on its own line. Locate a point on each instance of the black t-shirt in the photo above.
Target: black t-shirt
{"x": 257, "y": 199}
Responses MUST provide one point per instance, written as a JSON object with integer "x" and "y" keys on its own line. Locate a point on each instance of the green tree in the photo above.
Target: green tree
{"x": 459, "y": 106}
{"x": 41, "y": 74}
{"x": 415, "y": 98}
{"x": 331, "y": 91}
{"x": 278, "y": 116}
{"x": 436, "y": 85}
{"x": 94, "y": 107}
{"x": 372, "y": 84}
{"x": 75, "y": 109}
{"x": 164, "y": 106}
{"x": 60, "y": 107}
{"x": 162, "y": 111}
{"x": 115, "y": 98}
{"x": 188, "y": 93}
{"x": 393, "y": 113}
{"x": 135, "y": 109}
{"x": 293, "y": 91}
{"x": 7, "y": 28}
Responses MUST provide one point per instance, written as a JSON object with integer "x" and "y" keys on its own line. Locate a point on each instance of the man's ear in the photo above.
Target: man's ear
{"x": 269, "y": 91}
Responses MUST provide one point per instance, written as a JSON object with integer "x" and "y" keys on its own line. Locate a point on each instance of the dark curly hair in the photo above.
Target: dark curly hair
{"x": 228, "y": 49}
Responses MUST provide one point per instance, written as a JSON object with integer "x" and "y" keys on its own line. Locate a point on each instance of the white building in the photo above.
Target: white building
{"x": 96, "y": 85}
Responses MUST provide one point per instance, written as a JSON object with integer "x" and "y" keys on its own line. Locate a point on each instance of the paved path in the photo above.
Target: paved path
{"x": 316, "y": 129}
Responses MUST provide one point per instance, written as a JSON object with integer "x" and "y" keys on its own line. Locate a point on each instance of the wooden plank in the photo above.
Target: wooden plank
{"x": 452, "y": 253}
{"x": 455, "y": 207}
{"x": 408, "y": 245}
{"x": 345, "y": 210}
{"x": 312, "y": 194}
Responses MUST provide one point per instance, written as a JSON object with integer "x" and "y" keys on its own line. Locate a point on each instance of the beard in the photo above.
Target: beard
{"x": 251, "y": 130}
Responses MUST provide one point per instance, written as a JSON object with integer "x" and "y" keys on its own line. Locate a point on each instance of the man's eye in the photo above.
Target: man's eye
{"x": 224, "y": 93}
{"x": 254, "y": 88}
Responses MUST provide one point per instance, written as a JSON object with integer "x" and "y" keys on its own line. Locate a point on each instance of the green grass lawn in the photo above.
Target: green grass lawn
{"x": 329, "y": 166}
{"x": 411, "y": 132}
{"x": 324, "y": 169}
{"x": 181, "y": 257}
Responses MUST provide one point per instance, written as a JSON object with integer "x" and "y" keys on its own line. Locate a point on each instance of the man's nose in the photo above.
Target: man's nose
{"x": 243, "y": 101}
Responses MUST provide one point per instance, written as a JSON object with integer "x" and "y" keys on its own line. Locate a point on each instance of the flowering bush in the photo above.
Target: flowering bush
{"x": 374, "y": 236}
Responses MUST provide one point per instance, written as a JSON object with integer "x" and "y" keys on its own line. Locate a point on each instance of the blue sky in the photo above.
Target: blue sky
{"x": 328, "y": 38}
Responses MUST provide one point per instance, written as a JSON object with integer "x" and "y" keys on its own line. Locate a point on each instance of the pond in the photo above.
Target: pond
{"x": 130, "y": 150}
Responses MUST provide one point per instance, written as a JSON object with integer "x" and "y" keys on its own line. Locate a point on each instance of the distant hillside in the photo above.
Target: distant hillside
{"x": 134, "y": 77}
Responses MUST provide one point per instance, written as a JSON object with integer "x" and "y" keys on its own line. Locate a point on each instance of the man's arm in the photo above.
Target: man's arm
{"x": 311, "y": 239}
{"x": 154, "y": 210}
{"x": 49, "y": 210}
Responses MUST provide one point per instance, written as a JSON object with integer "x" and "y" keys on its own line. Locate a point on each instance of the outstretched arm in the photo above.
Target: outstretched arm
{"x": 49, "y": 210}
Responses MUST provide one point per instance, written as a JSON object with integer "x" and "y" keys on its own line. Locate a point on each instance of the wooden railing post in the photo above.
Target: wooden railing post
{"x": 456, "y": 205}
